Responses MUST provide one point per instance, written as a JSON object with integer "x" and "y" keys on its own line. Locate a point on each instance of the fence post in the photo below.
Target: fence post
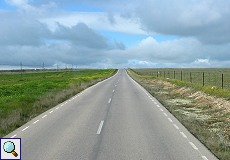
{"x": 222, "y": 82}
{"x": 203, "y": 78}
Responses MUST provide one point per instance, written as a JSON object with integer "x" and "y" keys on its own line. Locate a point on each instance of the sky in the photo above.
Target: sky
{"x": 115, "y": 33}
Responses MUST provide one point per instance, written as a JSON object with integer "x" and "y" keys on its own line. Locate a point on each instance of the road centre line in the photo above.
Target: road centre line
{"x": 161, "y": 109}
{"x": 25, "y": 128}
{"x": 158, "y": 106}
{"x": 35, "y": 121}
{"x": 193, "y": 146}
{"x": 57, "y": 108}
{"x": 100, "y": 127}
{"x": 51, "y": 111}
{"x": 44, "y": 116}
{"x": 113, "y": 91}
{"x": 165, "y": 114}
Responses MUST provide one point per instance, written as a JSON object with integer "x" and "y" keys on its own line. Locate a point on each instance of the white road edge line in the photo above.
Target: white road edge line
{"x": 57, "y": 107}
{"x": 176, "y": 126}
{"x": 165, "y": 115}
{"x": 113, "y": 91}
{"x": 193, "y": 146}
{"x": 36, "y": 121}
{"x": 109, "y": 100}
{"x": 170, "y": 120}
{"x": 25, "y": 128}
{"x": 51, "y": 111}
{"x": 100, "y": 127}
{"x": 161, "y": 109}
{"x": 13, "y": 136}
{"x": 44, "y": 116}
{"x": 158, "y": 106}
{"x": 204, "y": 158}
{"x": 182, "y": 133}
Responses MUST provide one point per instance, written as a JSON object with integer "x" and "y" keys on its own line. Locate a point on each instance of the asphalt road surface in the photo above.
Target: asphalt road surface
{"x": 113, "y": 120}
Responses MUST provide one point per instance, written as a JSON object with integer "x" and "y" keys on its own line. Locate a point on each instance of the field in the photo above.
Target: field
{"x": 22, "y": 97}
{"x": 202, "y": 110}
{"x": 202, "y": 76}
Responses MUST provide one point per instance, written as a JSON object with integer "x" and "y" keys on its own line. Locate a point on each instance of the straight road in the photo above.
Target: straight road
{"x": 113, "y": 120}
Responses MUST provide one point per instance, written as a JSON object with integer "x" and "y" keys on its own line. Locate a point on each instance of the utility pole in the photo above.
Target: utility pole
{"x": 43, "y": 66}
{"x": 21, "y": 67}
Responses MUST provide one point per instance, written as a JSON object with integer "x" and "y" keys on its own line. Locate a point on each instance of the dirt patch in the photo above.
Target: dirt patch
{"x": 179, "y": 101}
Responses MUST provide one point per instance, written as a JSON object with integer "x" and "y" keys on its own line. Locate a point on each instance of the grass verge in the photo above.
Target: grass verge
{"x": 205, "y": 116}
{"x": 22, "y": 97}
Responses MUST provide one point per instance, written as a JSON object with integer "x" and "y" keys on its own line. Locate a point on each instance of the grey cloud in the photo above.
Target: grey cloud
{"x": 205, "y": 20}
{"x": 81, "y": 35}
{"x": 111, "y": 18}
{"x": 20, "y": 30}
{"x": 119, "y": 45}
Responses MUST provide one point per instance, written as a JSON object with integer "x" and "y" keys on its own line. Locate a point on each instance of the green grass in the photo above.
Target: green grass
{"x": 212, "y": 83}
{"x": 22, "y": 97}
{"x": 209, "y": 123}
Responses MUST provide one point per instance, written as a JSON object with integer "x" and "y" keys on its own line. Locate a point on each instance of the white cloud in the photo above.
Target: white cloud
{"x": 95, "y": 20}
{"x": 42, "y": 31}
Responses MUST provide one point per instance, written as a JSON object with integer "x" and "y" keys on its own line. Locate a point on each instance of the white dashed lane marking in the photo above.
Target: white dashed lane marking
{"x": 182, "y": 133}
{"x": 170, "y": 120}
{"x": 109, "y": 100}
{"x": 51, "y": 111}
{"x": 35, "y": 121}
{"x": 175, "y": 126}
{"x": 193, "y": 146}
{"x": 204, "y": 158}
{"x": 13, "y": 136}
{"x": 44, "y": 116}
{"x": 26, "y": 128}
{"x": 100, "y": 127}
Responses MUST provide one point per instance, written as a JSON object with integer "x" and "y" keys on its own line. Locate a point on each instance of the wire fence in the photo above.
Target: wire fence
{"x": 219, "y": 78}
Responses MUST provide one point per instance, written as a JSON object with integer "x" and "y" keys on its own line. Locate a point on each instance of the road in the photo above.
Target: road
{"x": 113, "y": 120}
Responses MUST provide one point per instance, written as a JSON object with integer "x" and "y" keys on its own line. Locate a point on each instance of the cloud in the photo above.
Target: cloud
{"x": 17, "y": 29}
{"x": 45, "y": 31}
{"x": 82, "y": 36}
{"x": 204, "y": 20}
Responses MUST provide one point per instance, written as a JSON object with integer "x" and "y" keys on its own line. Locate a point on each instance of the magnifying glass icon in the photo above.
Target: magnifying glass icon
{"x": 9, "y": 147}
